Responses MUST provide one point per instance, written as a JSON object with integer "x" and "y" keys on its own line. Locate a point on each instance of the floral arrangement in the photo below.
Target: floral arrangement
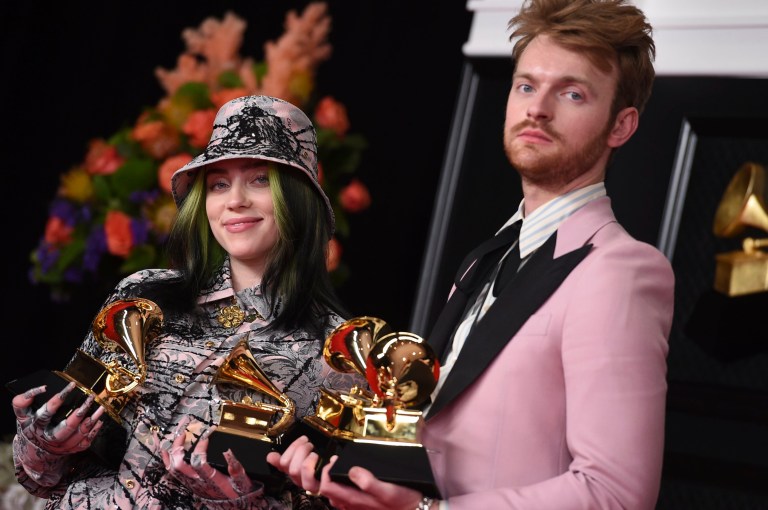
{"x": 112, "y": 212}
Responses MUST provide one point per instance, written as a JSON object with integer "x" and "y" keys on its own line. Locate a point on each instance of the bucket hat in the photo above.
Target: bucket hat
{"x": 257, "y": 127}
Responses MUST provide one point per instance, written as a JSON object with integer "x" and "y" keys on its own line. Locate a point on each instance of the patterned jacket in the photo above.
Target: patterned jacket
{"x": 181, "y": 362}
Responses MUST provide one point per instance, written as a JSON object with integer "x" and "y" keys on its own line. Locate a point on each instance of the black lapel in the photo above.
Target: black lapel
{"x": 520, "y": 299}
{"x": 482, "y": 260}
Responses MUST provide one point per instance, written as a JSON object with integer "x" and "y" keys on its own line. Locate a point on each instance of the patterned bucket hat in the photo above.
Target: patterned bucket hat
{"x": 257, "y": 127}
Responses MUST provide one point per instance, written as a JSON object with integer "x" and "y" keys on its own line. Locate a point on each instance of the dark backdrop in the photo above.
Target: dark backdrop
{"x": 77, "y": 70}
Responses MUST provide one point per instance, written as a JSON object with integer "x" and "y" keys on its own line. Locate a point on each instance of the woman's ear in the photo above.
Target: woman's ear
{"x": 624, "y": 127}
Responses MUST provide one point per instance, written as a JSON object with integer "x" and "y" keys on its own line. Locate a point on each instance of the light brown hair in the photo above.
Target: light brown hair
{"x": 609, "y": 32}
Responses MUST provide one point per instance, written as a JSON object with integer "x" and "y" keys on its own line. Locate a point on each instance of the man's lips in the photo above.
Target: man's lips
{"x": 534, "y": 136}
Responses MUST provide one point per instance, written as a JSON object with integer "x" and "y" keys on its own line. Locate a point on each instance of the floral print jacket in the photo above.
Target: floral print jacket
{"x": 182, "y": 361}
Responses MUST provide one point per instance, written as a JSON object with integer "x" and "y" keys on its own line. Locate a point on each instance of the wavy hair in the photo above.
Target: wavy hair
{"x": 609, "y": 32}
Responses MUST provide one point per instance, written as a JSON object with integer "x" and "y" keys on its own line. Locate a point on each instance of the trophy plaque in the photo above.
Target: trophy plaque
{"x": 378, "y": 428}
{"x": 743, "y": 206}
{"x": 124, "y": 325}
{"x": 251, "y": 429}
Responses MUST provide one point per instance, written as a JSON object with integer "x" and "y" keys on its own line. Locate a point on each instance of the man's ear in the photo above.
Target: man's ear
{"x": 624, "y": 127}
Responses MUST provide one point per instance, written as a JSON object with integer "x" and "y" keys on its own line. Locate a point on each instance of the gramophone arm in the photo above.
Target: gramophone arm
{"x": 751, "y": 245}
{"x": 115, "y": 382}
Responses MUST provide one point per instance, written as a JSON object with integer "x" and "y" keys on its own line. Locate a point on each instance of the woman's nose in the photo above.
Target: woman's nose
{"x": 237, "y": 197}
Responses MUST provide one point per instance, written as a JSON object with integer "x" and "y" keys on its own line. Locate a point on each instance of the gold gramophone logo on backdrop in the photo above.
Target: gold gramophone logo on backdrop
{"x": 251, "y": 429}
{"x": 378, "y": 429}
{"x": 743, "y": 205}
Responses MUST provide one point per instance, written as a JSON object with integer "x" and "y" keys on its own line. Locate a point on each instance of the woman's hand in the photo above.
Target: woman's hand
{"x": 71, "y": 435}
{"x": 201, "y": 478}
{"x": 298, "y": 461}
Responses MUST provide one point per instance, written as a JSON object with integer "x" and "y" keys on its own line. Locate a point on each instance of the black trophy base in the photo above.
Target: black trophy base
{"x": 110, "y": 444}
{"x": 54, "y": 384}
{"x": 252, "y": 454}
{"x": 402, "y": 465}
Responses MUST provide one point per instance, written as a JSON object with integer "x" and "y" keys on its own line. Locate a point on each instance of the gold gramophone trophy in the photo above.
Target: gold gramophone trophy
{"x": 251, "y": 429}
{"x": 743, "y": 205}
{"x": 122, "y": 326}
{"x": 378, "y": 428}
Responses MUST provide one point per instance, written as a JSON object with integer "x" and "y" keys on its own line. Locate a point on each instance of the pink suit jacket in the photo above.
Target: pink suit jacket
{"x": 569, "y": 413}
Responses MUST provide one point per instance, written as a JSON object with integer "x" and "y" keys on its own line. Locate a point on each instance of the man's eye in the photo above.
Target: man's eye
{"x": 574, "y": 95}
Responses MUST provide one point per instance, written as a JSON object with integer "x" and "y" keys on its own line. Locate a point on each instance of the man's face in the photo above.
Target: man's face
{"x": 557, "y": 126}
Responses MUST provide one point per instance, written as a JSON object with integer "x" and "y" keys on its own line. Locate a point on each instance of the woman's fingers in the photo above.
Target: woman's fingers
{"x": 22, "y": 401}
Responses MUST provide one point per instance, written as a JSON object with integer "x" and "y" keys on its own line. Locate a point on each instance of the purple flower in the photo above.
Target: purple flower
{"x": 47, "y": 255}
{"x": 95, "y": 247}
{"x": 139, "y": 230}
{"x": 65, "y": 210}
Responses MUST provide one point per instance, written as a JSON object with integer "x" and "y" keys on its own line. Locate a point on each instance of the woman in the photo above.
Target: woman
{"x": 248, "y": 247}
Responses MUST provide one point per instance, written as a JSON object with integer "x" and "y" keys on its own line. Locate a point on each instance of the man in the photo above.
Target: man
{"x": 553, "y": 385}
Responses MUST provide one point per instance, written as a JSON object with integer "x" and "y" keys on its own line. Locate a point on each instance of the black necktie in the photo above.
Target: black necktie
{"x": 509, "y": 267}
{"x": 486, "y": 256}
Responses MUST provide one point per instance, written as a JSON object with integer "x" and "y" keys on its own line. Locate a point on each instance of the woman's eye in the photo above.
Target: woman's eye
{"x": 261, "y": 180}
{"x": 217, "y": 185}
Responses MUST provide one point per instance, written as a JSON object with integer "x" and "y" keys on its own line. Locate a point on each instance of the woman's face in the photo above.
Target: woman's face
{"x": 240, "y": 211}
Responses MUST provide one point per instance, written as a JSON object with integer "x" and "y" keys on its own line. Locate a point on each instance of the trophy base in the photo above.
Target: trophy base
{"x": 251, "y": 452}
{"x": 402, "y": 465}
{"x": 109, "y": 445}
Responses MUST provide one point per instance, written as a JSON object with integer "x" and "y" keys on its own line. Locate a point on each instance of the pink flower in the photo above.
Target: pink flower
{"x": 169, "y": 166}
{"x": 355, "y": 197}
{"x": 330, "y": 114}
{"x": 334, "y": 254}
{"x": 102, "y": 158}
{"x": 57, "y": 232}
{"x": 117, "y": 228}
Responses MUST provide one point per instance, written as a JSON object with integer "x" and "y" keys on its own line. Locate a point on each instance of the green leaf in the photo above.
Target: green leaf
{"x": 133, "y": 175}
{"x": 342, "y": 224}
{"x": 230, "y": 80}
{"x": 141, "y": 257}
{"x": 194, "y": 95}
{"x": 101, "y": 188}
{"x": 259, "y": 71}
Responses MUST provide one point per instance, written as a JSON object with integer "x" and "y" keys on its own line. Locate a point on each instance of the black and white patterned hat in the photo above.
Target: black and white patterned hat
{"x": 257, "y": 127}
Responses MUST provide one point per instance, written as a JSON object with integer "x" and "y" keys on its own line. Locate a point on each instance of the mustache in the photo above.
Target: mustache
{"x": 525, "y": 124}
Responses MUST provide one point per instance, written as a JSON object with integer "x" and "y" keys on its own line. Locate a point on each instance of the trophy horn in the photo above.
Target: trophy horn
{"x": 128, "y": 324}
{"x": 240, "y": 368}
{"x": 743, "y": 202}
{"x": 403, "y": 370}
{"x": 346, "y": 348}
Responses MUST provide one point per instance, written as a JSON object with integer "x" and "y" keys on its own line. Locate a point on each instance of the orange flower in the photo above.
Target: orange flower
{"x": 102, "y": 158}
{"x": 117, "y": 228}
{"x": 330, "y": 114}
{"x": 57, "y": 232}
{"x": 199, "y": 126}
{"x": 222, "y": 96}
{"x": 355, "y": 197}
{"x": 334, "y": 254}
{"x": 320, "y": 174}
{"x": 169, "y": 166}
{"x": 156, "y": 137}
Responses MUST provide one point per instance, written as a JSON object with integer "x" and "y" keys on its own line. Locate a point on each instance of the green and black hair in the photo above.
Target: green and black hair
{"x": 296, "y": 275}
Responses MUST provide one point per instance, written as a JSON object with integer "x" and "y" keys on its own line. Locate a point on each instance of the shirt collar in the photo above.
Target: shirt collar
{"x": 546, "y": 219}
